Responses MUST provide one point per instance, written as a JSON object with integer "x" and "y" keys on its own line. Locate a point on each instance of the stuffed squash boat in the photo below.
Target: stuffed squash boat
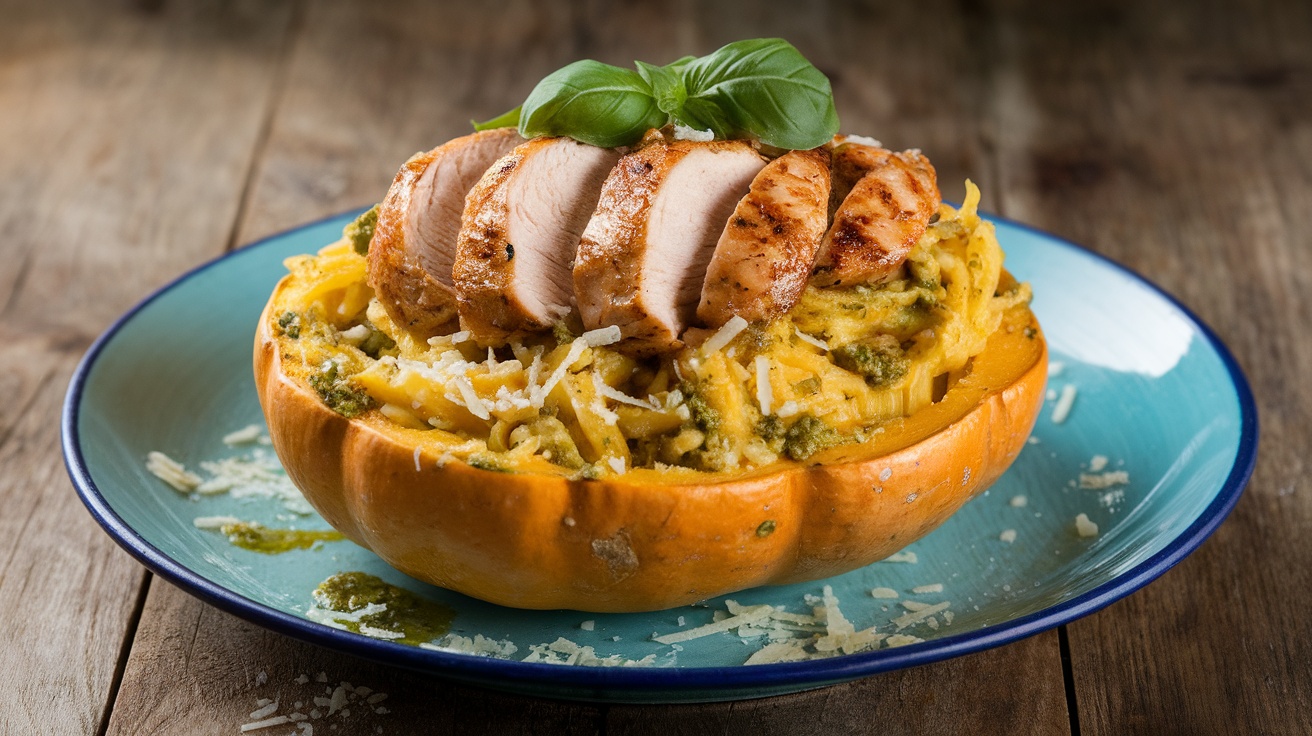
{"x": 552, "y": 374}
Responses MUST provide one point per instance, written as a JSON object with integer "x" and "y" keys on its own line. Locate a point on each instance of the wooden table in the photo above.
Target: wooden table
{"x": 138, "y": 139}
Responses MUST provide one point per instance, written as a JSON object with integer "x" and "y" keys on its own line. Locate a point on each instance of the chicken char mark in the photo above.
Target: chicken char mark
{"x": 642, "y": 260}
{"x": 765, "y": 254}
{"x": 887, "y": 207}
{"x": 414, "y": 243}
{"x": 521, "y": 227}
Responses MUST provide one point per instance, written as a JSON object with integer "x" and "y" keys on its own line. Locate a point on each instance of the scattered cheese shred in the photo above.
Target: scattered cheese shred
{"x": 748, "y": 616}
{"x": 1064, "y": 403}
{"x": 603, "y": 336}
{"x": 808, "y": 339}
{"x": 266, "y": 723}
{"x": 1101, "y": 481}
{"x": 244, "y": 436}
{"x": 904, "y": 556}
{"x": 1084, "y": 527}
{"x": 724, "y": 335}
{"x": 932, "y": 588}
{"x": 910, "y": 618}
{"x": 172, "y": 472}
{"x": 764, "y": 391}
{"x": 884, "y": 593}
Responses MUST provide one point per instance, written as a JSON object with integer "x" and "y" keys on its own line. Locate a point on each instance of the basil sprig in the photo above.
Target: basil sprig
{"x": 762, "y": 89}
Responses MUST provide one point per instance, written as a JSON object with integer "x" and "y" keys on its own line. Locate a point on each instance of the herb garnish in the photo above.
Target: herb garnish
{"x": 762, "y": 89}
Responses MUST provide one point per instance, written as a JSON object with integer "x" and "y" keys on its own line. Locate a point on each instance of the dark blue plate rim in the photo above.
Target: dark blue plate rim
{"x": 595, "y": 683}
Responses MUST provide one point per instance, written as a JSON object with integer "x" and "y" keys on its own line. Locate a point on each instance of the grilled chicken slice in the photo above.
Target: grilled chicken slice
{"x": 880, "y": 218}
{"x": 643, "y": 257}
{"x": 765, "y": 254}
{"x": 414, "y": 242}
{"x": 520, "y": 231}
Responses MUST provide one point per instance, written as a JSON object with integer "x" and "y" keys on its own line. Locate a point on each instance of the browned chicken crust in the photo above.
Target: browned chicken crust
{"x": 414, "y": 241}
{"x": 880, "y": 219}
{"x": 764, "y": 256}
{"x": 519, "y": 234}
{"x": 642, "y": 259}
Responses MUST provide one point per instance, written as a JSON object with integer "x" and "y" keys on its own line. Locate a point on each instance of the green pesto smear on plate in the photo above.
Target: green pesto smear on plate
{"x": 259, "y": 538}
{"x": 416, "y": 619}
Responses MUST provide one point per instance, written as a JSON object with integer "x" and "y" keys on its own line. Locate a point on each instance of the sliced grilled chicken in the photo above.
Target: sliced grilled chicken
{"x": 642, "y": 260}
{"x": 414, "y": 242}
{"x": 520, "y": 231}
{"x": 880, "y": 219}
{"x": 766, "y": 251}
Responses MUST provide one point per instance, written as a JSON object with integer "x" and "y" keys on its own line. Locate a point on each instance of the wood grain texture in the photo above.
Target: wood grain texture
{"x": 1179, "y": 142}
{"x": 125, "y": 137}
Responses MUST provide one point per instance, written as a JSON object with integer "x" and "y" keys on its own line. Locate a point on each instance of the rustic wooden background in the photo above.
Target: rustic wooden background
{"x": 138, "y": 139}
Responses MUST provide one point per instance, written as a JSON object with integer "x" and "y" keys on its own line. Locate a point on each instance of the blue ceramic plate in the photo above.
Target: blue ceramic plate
{"x": 1157, "y": 398}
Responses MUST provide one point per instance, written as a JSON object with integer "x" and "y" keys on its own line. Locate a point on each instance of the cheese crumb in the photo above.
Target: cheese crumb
{"x": 1100, "y": 481}
{"x": 588, "y": 625}
{"x": 1008, "y": 536}
{"x": 244, "y": 436}
{"x": 764, "y": 391}
{"x": 172, "y": 472}
{"x": 1019, "y": 502}
{"x": 884, "y": 593}
{"x": 1097, "y": 463}
{"x": 1064, "y": 403}
{"x": 903, "y": 556}
{"x": 685, "y": 133}
{"x": 1084, "y": 527}
{"x": 602, "y": 336}
{"x": 808, "y": 339}
{"x": 724, "y": 335}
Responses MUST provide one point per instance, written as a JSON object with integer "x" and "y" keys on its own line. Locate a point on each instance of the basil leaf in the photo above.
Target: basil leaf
{"x": 763, "y": 87}
{"x": 593, "y": 103}
{"x": 504, "y": 120}
{"x": 666, "y": 85}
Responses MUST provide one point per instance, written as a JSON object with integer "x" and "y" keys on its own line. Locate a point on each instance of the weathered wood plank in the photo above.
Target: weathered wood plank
{"x": 366, "y": 89}
{"x": 952, "y": 697}
{"x": 197, "y": 670}
{"x": 123, "y": 146}
{"x": 1176, "y": 140}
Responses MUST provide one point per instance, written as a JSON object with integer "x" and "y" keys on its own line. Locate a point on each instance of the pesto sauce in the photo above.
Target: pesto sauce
{"x": 419, "y": 619}
{"x": 361, "y": 231}
{"x": 259, "y": 538}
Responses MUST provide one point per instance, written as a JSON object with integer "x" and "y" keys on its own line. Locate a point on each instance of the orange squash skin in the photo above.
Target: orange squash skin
{"x": 635, "y": 542}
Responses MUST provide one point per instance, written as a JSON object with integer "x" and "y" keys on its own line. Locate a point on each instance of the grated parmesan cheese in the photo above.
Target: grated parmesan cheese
{"x": 903, "y": 556}
{"x": 884, "y": 593}
{"x": 911, "y": 618}
{"x": 603, "y": 336}
{"x": 1064, "y": 403}
{"x": 172, "y": 472}
{"x": 1102, "y": 481}
{"x": 810, "y": 340}
{"x": 244, "y": 436}
{"x": 724, "y": 335}
{"x": 1084, "y": 527}
{"x": 214, "y": 522}
{"x": 1019, "y": 502}
{"x": 1008, "y": 536}
{"x": 764, "y": 391}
